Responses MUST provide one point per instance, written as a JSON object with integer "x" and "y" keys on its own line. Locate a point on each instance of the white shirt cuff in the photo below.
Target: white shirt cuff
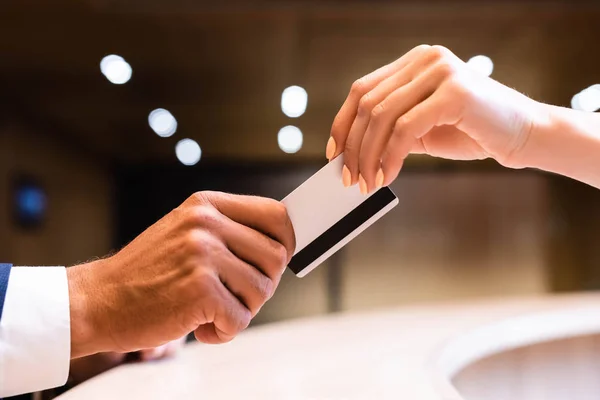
{"x": 35, "y": 331}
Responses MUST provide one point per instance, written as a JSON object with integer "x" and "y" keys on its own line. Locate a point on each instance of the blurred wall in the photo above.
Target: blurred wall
{"x": 453, "y": 236}
{"x": 79, "y": 222}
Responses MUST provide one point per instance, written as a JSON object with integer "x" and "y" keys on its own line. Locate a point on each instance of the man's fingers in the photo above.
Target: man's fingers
{"x": 207, "y": 334}
{"x": 260, "y": 251}
{"x": 262, "y": 214}
{"x": 230, "y": 318}
{"x": 256, "y": 240}
{"x": 246, "y": 283}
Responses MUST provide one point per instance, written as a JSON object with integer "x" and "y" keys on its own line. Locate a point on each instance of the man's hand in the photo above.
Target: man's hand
{"x": 208, "y": 267}
{"x": 428, "y": 101}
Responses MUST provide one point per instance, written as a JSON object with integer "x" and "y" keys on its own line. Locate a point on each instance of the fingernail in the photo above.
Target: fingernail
{"x": 379, "y": 178}
{"x": 346, "y": 177}
{"x": 330, "y": 150}
{"x": 362, "y": 184}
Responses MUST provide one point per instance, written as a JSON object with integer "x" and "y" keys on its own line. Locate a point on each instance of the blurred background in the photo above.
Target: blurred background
{"x": 113, "y": 112}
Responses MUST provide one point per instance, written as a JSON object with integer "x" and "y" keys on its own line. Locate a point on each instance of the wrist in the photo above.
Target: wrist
{"x": 537, "y": 121}
{"x": 84, "y": 326}
{"x": 565, "y": 142}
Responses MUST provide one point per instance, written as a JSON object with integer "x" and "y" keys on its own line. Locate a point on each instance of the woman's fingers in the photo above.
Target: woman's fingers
{"x": 344, "y": 120}
{"x": 406, "y": 114}
{"x": 371, "y": 107}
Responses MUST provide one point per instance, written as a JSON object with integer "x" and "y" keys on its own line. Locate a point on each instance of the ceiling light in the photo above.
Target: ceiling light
{"x": 293, "y": 101}
{"x": 587, "y": 100}
{"x": 188, "y": 152}
{"x": 575, "y": 102}
{"x": 162, "y": 122}
{"x": 289, "y": 139}
{"x": 481, "y": 64}
{"x": 115, "y": 69}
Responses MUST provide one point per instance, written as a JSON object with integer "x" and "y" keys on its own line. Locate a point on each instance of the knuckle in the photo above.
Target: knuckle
{"x": 378, "y": 111}
{"x": 422, "y": 48}
{"x": 206, "y": 215}
{"x": 199, "y": 197}
{"x": 365, "y": 164}
{"x": 439, "y": 51}
{"x": 276, "y": 258}
{"x": 292, "y": 245}
{"x": 269, "y": 289}
{"x": 205, "y": 197}
{"x": 280, "y": 212}
{"x": 281, "y": 255}
{"x": 198, "y": 243}
{"x": 245, "y": 318}
{"x": 205, "y": 284}
{"x": 275, "y": 262}
{"x": 460, "y": 92}
{"x": 400, "y": 124}
{"x": 194, "y": 242}
{"x": 264, "y": 289}
{"x": 289, "y": 242}
{"x": 351, "y": 153}
{"x": 284, "y": 224}
{"x": 241, "y": 319}
{"x": 337, "y": 127}
{"x": 365, "y": 105}
{"x": 359, "y": 87}
{"x": 445, "y": 70}
{"x": 206, "y": 279}
{"x": 179, "y": 213}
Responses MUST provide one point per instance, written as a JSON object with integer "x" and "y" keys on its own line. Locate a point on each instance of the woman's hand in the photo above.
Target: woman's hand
{"x": 430, "y": 102}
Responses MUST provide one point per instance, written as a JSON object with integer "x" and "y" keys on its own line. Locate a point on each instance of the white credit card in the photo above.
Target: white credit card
{"x": 326, "y": 215}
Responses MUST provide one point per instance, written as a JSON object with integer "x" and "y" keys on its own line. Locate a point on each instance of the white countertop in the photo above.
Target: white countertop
{"x": 410, "y": 352}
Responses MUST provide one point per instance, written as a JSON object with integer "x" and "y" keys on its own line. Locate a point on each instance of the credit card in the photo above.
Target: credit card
{"x": 326, "y": 215}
